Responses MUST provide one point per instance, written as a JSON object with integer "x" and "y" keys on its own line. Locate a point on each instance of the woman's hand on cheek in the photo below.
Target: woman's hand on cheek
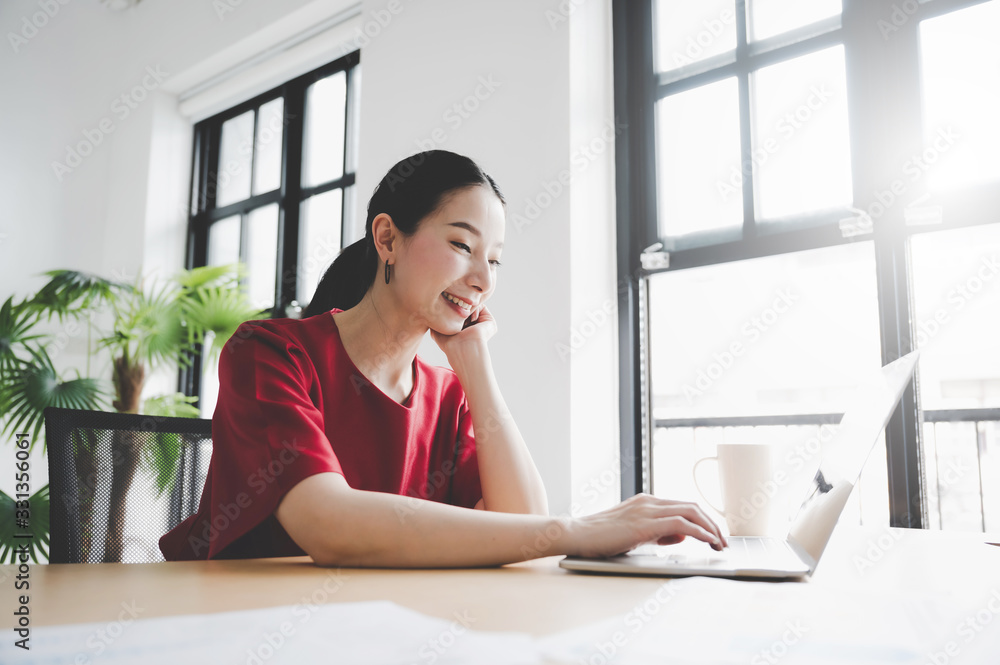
{"x": 477, "y": 329}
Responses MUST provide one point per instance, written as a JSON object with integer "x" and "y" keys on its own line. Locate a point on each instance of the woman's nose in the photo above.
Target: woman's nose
{"x": 482, "y": 277}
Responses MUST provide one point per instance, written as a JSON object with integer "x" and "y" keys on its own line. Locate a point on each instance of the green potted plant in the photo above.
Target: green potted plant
{"x": 151, "y": 328}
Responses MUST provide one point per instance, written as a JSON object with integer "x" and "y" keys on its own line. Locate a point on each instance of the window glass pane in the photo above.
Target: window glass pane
{"x": 262, "y": 255}
{"x": 267, "y": 161}
{"x": 208, "y": 394}
{"x": 323, "y": 152}
{"x": 223, "y": 249}
{"x": 224, "y": 241}
{"x": 698, "y": 148}
{"x": 351, "y": 159}
{"x": 786, "y": 334}
{"x": 688, "y": 32}
{"x": 319, "y": 240}
{"x": 235, "y": 152}
{"x": 960, "y": 62}
{"x": 807, "y": 323}
{"x": 354, "y": 222}
{"x": 956, "y": 297}
{"x": 801, "y": 145}
{"x": 774, "y": 17}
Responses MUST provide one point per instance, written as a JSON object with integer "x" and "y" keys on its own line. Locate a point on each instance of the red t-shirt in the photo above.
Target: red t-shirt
{"x": 293, "y": 404}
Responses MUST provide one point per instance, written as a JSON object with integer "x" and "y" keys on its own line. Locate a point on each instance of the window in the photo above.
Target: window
{"x": 805, "y": 191}
{"x": 956, "y": 299}
{"x": 273, "y": 183}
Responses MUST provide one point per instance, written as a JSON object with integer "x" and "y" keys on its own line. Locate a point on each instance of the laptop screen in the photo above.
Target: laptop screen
{"x": 843, "y": 458}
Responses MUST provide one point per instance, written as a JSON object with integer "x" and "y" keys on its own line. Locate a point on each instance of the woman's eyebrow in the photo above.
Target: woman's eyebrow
{"x": 471, "y": 229}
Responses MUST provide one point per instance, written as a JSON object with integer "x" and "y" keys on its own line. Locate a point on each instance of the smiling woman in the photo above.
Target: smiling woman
{"x": 333, "y": 438}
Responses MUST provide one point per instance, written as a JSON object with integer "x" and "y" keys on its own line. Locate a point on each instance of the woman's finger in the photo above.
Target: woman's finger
{"x": 677, "y": 525}
{"x": 693, "y": 513}
{"x": 701, "y": 518}
{"x": 672, "y": 539}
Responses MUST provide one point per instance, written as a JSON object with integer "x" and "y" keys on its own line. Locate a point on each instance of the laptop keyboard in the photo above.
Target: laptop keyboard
{"x": 742, "y": 553}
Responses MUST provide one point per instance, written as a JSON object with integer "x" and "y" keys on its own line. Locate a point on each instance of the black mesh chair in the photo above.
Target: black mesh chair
{"x": 118, "y": 482}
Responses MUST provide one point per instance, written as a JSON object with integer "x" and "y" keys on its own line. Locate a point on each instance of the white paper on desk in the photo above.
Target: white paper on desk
{"x": 373, "y": 632}
{"x": 703, "y": 620}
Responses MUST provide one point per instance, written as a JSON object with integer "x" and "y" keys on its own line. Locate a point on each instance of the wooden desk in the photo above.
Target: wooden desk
{"x": 534, "y": 597}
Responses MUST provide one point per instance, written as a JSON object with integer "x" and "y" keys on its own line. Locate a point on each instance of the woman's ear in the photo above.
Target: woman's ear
{"x": 384, "y": 234}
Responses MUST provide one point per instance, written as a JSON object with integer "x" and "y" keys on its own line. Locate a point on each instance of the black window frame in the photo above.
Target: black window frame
{"x": 289, "y": 196}
{"x": 882, "y": 93}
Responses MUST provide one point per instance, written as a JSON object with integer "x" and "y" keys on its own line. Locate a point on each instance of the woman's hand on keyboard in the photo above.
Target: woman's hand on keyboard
{"x": 642, "y": 519}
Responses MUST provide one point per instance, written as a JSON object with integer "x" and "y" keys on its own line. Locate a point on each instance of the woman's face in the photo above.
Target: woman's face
{"x": 453, "y": 255}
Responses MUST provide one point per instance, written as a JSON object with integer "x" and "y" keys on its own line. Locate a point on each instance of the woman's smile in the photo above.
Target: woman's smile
{"x": 457, "y": 304}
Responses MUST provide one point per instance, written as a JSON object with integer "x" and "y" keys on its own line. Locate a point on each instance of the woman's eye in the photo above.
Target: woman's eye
{"x": 461, "y": 245}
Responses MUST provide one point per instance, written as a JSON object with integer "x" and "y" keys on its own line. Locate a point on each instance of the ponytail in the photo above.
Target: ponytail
{"x": 412, "y": 189}
{"x": 347, "y": 279}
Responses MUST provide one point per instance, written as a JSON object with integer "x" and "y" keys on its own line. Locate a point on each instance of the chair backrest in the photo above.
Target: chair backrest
{"x": 118, "y": 481}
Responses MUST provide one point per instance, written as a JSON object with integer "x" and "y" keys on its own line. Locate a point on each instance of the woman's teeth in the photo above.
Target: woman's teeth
{"x": 461, "y": 303}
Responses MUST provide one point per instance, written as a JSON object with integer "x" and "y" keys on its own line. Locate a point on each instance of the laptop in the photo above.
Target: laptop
{"x": 796, "y": 555}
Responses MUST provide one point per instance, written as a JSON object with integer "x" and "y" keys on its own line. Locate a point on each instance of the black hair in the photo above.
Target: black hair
{"x": 412, "y": 189}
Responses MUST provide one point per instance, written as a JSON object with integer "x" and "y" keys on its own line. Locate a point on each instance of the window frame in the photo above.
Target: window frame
{"x": 883, "y": 87}
{"x": 289, "y": 196}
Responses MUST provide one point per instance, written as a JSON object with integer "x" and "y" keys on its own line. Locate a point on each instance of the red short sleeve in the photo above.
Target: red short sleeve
{"x": 268, "y": 435}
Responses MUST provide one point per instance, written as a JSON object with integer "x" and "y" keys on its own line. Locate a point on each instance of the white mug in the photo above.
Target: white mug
{"x": 749, "y": 487}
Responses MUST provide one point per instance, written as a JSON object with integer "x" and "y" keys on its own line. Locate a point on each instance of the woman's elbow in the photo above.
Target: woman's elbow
{"x": 331, "y": 554}
{"x": 327, "y": 559}
{"x": 324, "y": 555}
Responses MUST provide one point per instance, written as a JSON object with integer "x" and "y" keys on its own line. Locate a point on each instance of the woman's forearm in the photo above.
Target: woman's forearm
{"x": 511, "y": 482}
{"x": 340, "y": 526}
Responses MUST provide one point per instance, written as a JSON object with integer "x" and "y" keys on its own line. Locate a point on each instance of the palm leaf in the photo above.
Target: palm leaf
{"x": 83, "y": 438}
{"x": 70, "y": 292}
{"x": 36, "y": 385}
{"x": 218, "y": 310}
{"x": 204, "y": 276}
{"x": 16, "y": 321}
{"x": 162, "y": 458}
{"x": 151, "y": 325}
{"x": 37, "y": 527}
{"x": 163, "y": 335}
{"x": 173, "y": 405}
{"x": 164, "y": 455}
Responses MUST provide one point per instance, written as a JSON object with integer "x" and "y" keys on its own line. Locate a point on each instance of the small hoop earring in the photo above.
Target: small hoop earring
{"x": 386, "y": 272}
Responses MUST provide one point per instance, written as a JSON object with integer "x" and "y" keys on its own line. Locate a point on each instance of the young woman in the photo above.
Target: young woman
{"x": 332, "y": 438}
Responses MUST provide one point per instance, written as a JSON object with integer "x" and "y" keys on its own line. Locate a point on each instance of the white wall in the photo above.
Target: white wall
{"x": 592, "y": 338}
{"x": 535, "y": 82}
{"x": 63, "y": 82}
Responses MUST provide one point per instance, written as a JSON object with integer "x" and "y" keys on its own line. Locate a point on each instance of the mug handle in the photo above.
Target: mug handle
{"x": 694, "y": 476}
